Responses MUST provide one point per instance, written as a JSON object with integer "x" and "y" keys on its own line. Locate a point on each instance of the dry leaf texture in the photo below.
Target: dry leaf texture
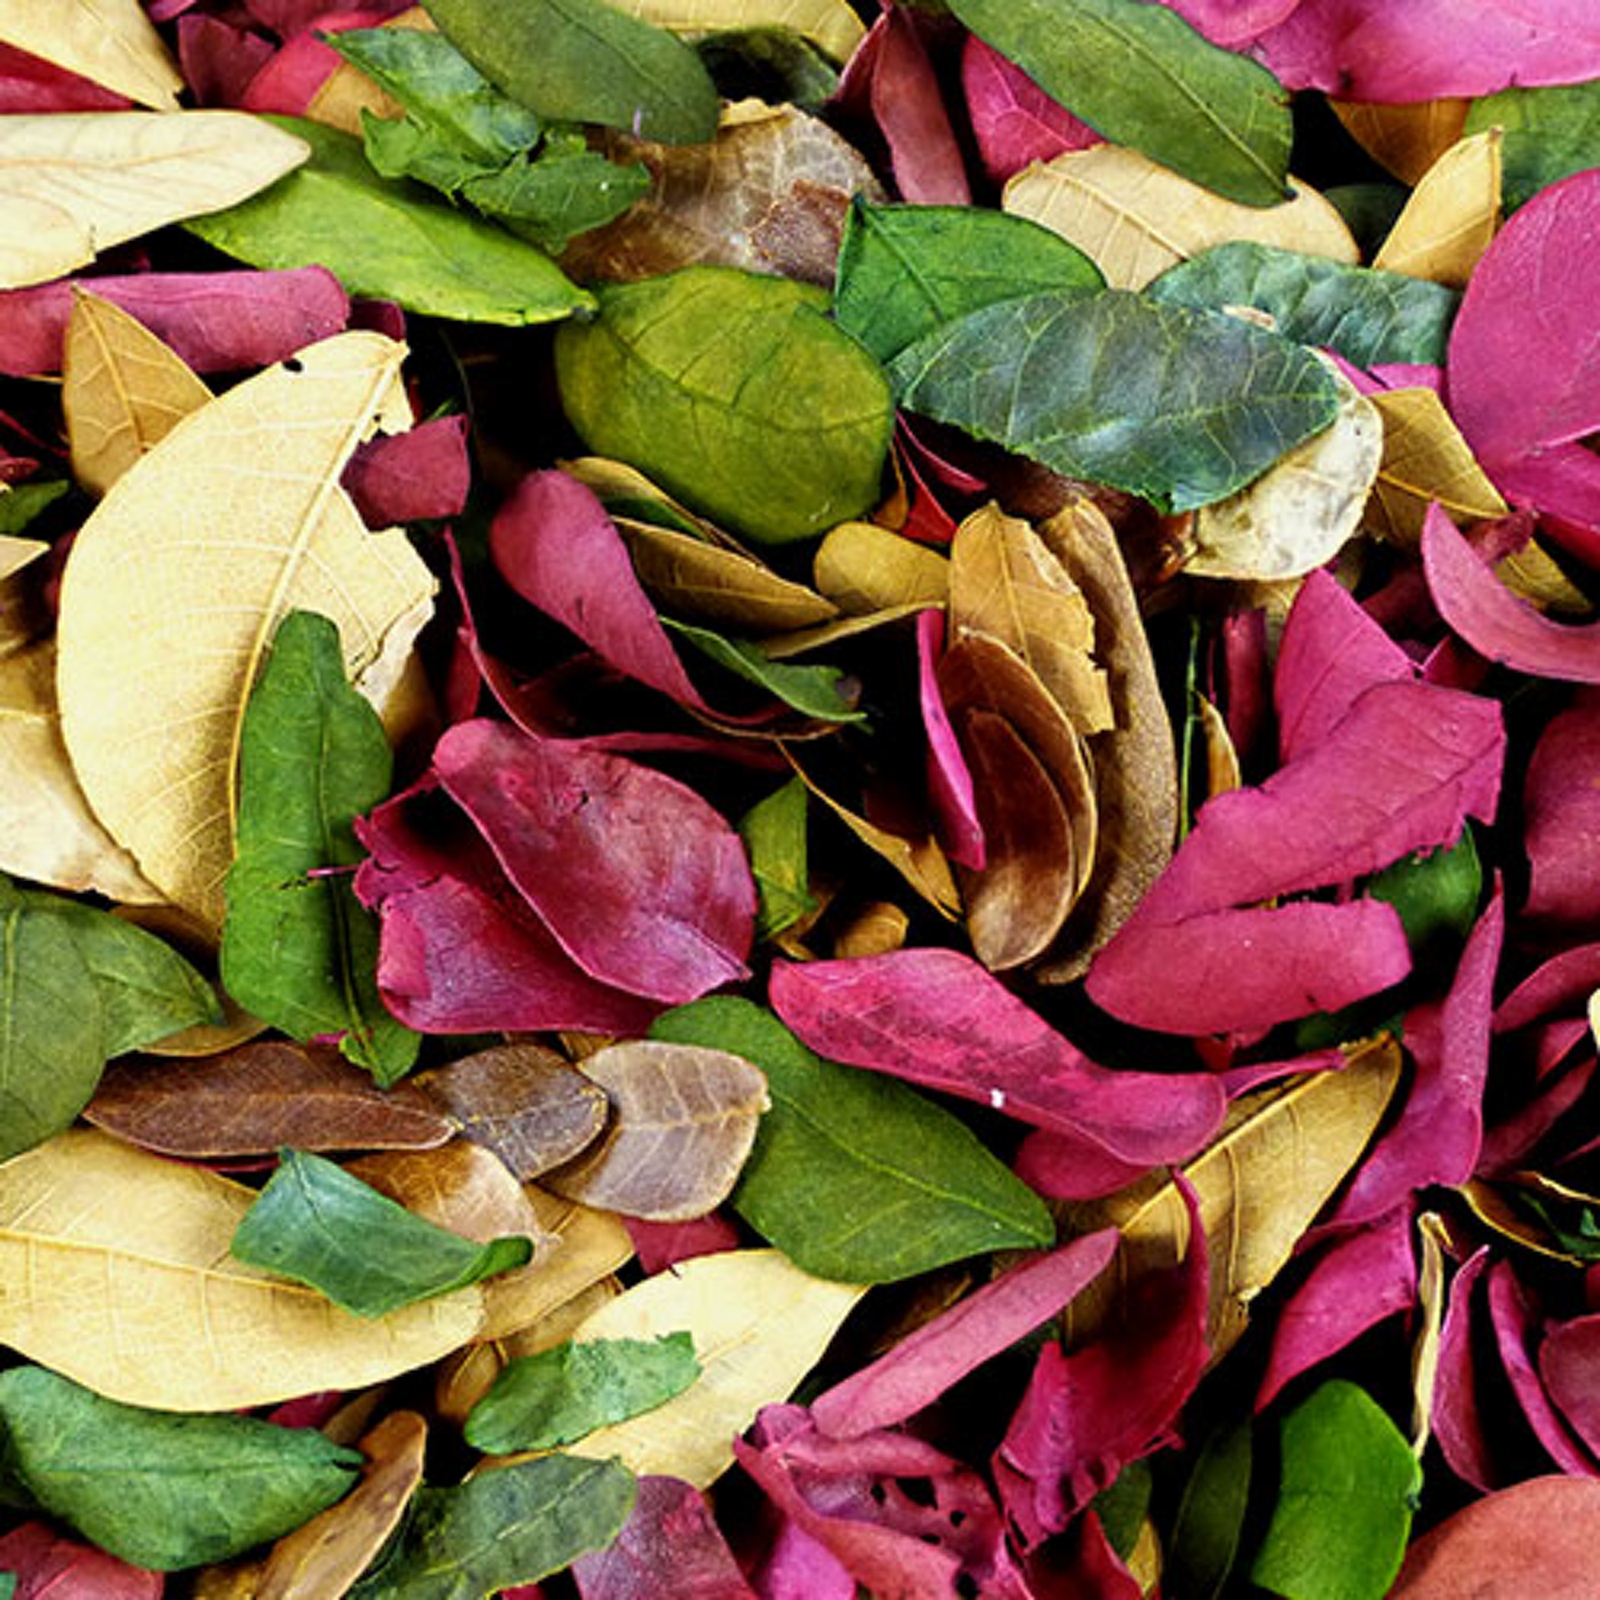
{"x": 830, "y": 23}
{"x": 110, "y": 42}
{"x": 1452, "y": 215}
{"x": 1424, "y": 459}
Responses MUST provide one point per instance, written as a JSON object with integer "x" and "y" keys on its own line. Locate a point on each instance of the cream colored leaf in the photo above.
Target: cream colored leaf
{"x": 1135, "y": 219}
{"x": 123, "y": 390}
{"x": 1452, "y": 214}
{"x": 114, "y": 1270}
{"x": 75, "y": 183}
{"x": 1424, "y": 459}
{"x": 863, "y": 568}
{"x": 177, "y": 581}
{"x": 785, "y": 646}
{"x": 759, "y": 1325}
{"x": 1300, "y": 512}
{"x": 1407, "y": 139}
{"x": 15, "y": 552}
{"x": 832, "y": 24}
{"x": 110, "y": 42}
{"x": 1432, "y": 1238}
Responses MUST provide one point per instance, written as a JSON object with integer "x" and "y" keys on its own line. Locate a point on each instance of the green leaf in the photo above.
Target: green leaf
{"x": 583, "y": 61}
{"x": 512, "y": 1526}
{"x": 23, "y": 503}
{"x": 564, "y": 193}
{"x": 560, "y": 1395}
{"x": 771, "y": 64}
{"x": 735, "y": 393}
{"x": 812, "y": 690}
{"x": 298, "y": 950}
{"x": 319, "y": 1225}
{"x": 1182, "y": 407}
{"x": 1369, "y": 210}
{"x": 855, "y": 1176}
{"x": 1123, "y": 1506}
{"x": 1205, "y": 1530}
{"x": 906, "y": 271}
{"x": 1436, "y": 893}
{"x": 159, "y": 1489}
{"x": 774, "y": 834}
{"x": 1348, "y": 1485}
{"x": 390, "y": 241}
{"x": 1140, "y": 75}
{"x": 1549, "y": 134}
{"x": 406, "y": 149}
{"x": 1368, "y": 316}
{"x": 8, "y": 1585}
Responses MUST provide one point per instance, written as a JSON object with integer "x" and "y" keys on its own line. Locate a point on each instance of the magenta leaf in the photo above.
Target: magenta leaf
{"x": 1561, "y": 807}
{"x": 798, "y": 1567}
{"x": 1569, "y": 1364}
{"x": 1014, "y": 121}
{"x": 668, "y": 1549}
{"x": 219, "y": 60}
{"x": 909, "y": 110}
{"x": 1232, "y": 23}
{"x": 30, "y": 86}
{"x": 660, "y": 1245}
{"x": 1460, "y": 1423}
{"x": 955, "y": 806}
{"x": 49, "y": 1566}
{"x": 420, "y": 475}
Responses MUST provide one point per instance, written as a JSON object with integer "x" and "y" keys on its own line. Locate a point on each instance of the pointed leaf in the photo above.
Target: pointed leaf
{"x": 1451, "y": 217}
{"x": 811, "y": 690}
{"x": 1549, "y": 134}
{"x": 109, "y": 42}
{"x": 774, "y": 834}
{"x": 1425, "y": 459}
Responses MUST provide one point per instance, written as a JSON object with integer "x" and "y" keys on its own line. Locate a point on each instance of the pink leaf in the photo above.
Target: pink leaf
{"x": 219, "y": 61}
{"x": 415, "y": 476}
{"x": 1014, "y": 121}
{"x": 30, "y": 86}
{"x": 1560, "y": 985}
{"x": 49, "y": 1566}
{"x": 1569, "y": 1364}
{"x": 798, "y": 1567}
{"x": 1062, "y": 1166}
{"x": 1459, "y": 1417}
{"x": 910, "y": 113}
{"x": 669, "y": 1549}
{"x": 955, "y": 807}
{"x": 1232, "y": 23}
{"x": 660, "y": 1245}
{"x": 285, "y": 17}
{"x": 1561, "y": 807}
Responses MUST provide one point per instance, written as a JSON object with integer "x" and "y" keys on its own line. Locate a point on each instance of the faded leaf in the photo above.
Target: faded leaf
{"x": 1134, "y": 219}
{"x": 75, "y": 183}
{"x": 15, "y": 554}
{"x": 832, "y": 24}
{"x": 1424, "y": 459}
{"x": 863, "y": 569}
{"x": 109, "y": 42}
{"x": 594, "y": 1244}
{"x": 1407, "y": 139}
{"x": 1451, "y": 216}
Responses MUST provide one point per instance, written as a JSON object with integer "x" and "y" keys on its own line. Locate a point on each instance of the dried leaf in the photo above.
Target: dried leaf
{"x": 863, "y": 569}
{"x": 832, "y": 24}
{"x": 1407, "y": 139}
{"x": 594, "y": 1244}
{"x": 1424, "y": 459}
{"x": 109, "y": 42}
{"x": 1451, "y": 216}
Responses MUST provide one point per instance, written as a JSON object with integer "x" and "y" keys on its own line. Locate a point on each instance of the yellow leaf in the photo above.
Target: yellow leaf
{"x": 177, "y": 581}
{"x": 114, "y": 1270}
{"x": 1223, "y": 773}
{"x": 74, "y": 183}
{"x": 759, "y": 1325}
{"x": 110, "y": 42}
{"x": 832, "y": 24}
{"x": 879, "y": 927}
{"x": 15, "y": 552}
{"x": 1451, "y": 216}
{"x": 1407, "y": 139}
{"x": 1432, "y": 1237}
{"x": 594, "y": 1244}
{"x": 1135, "y": 219}
{"x": 123, "y": 390}
{"x": 1424, "y": 459}
{"x": 863, "y": 568}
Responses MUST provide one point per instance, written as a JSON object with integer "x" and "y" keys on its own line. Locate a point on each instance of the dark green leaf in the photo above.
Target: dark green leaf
{"x": 22, "y": 503}
{"x": 1549, "y": 134}
{"x": 564, "y": 193}
{"x": 584, "y": 61}
{"x": 1205, "y": 1531}
{"x": 1368, "y": 316}
{"x": 1436, "y": 893}
{"x": 855, "y": 1176}
{"x": 1369, "y": 210}
{"x": 1572, "y": 1224}
{"x": 159, "y": 1489}
{"x": 1123, "y": 1507}
{"x": 906, "y": 271}
{"x": 735, "y": 393}
{"x": 813, "y": 690}
{"x": 298, "y": 950}
{"x": 1140, "y": 75}
{"x": 1348, "y": 1485}
{"x": 771, "y": 64}
{"x": 390, "y": 241}
{"x": 560, "y": 1395}
{"x": 512, "y": 1526}
{"x": 316, "y": 1223}
{"x": 1182, "y": 407}
{"x": 774, "y": 834}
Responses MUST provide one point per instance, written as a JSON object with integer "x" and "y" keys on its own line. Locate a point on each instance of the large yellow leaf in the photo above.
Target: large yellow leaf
{"x": 1424, "y": 459}
{"x": 176, "y": 583}
{"x": 1451, "y": 216}
{"x": 110, "y": 42}
{"x": 1407, "y": 139}
{"x": 114, "y": 1269}
{"x": 830, "y": 23}
{"x": 1135, "y": 218}
{"x": 72, "y": 184}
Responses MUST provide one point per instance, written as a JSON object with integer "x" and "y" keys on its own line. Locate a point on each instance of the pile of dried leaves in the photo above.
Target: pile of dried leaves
{"x": 798, "y": 804}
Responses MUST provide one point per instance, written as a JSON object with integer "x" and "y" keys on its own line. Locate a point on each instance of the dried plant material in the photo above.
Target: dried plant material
{"x": 76, "y": 183}
{"x": 17, "y": 553}
{"x": 1432, "y": 1238}
{"x": 610, "y": 481}
{"x": 1424, "y": 459}
{"x": 873, "y": 931}
{"x": 123, "y": 391}
{"x": 783, "y": 646}
{"x": 1134, "y": 219}
{"x": 121, "y": 1279}
{"x": 347, "y": 91}
{"x": 1222, "y": 759}
{"x": 594, "y": 1244}
{"x": 187, "y": 567}
{"x": 865, "y": 569}
{"x": 1407, "y": 139}
{"x": 832, "y": 24}
{"x": 109, "y": 42}
{"x": 1452, "y": 214}
{"x": 683, "y": 1120}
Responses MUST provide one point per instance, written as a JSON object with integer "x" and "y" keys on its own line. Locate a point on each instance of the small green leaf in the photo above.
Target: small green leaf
{"x": 774, "y": 834}
{"x": 1140, "y": 75}
{"x": 1436, "y": 893}
{"x": 1124, "y": 1505}
{"x": 560, "y": 1395}
{"x": 159, "y": 1489}
{"x": 21, "y": 504}
{"x": 1550, "y": 134}
{"x": 512, "y": 1526}
{"x": 317, "y": 1224}
{"x": 406, "y": 149}
{"x": 855, "y": 1176}
{"x": 564, "y": 193}
{"x": 1182, "y": 407}
{"x": 1369, "y": 317}
{"x": 8, "y": 1585}
{"x": 735, "y": 393}
{"x": 906, "y": 271}
{"x": 812, "y": 690}
{"x": 1205, "y": 1531}
{"x": 1348, "y": 1486}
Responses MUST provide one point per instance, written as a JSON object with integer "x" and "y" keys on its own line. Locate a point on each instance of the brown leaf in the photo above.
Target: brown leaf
{"x": 110, "y": 42}
{"x": 1407, "y": 139}
{"x": 1222, "y": 760}
{"x": 683, "y": 1119}
{"x": 863, "y": 568}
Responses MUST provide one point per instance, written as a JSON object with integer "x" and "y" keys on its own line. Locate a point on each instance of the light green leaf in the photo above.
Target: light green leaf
{"x": 21, "y": 504}
{"x": 1182, "y": 407}
{"x": 1436, "y": 893}
{"x": 812, "y": 690}
{"x": 1140, "y": 75}
{"x": 1205, "y": 1530}
{"x": 1549, "y": 134}
{"x": 8, "y": 1585}
{"x": 406, "y": 149}
{"x": 774, "y": 834}
{"x": 565, "y": 192}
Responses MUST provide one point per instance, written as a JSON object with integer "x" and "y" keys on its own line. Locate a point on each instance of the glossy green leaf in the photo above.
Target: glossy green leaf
{"x": 855, "y": 1176}
{"x": 1140, "y": 75}
{"x": 736, "y": 394}
{"x": 1348, "y": 1484}
{"x": 567, "y": 191}
{"x": 906, "y": 271}
{"x": 512, "y": 1526}
{"x": 159, "y": 1489}
{"x": 1550, "y": 133}
{"x": 774, "y": 834}
{"x": 317, "y": 1224}
{"x": 1368, "y": 316}
{"x": 22, "y": 503}
{"x": 584, "y": 61}
{"x": 298, "y": 949}
{"x": 1204, "y": 1541}
{"x": 554, "y": 1398}
{"x": 812, "y": 690}
{"x": 1182, "y": 407}
{"x": 390, "y": 241}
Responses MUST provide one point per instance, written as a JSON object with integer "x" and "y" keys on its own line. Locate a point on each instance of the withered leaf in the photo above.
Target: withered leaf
{"x": 1407, "y": 139}
{"x": 1425, "y": 458}
{"x": 832, "y": 24}
{"x": 1452, "y": 215}
{"x": 864, "y": 569}
{"x": 110, "y": 42}
{"x": 594, "y": 1244}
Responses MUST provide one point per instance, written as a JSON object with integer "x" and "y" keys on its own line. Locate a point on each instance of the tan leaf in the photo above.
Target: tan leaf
{"x": 616, "y": 480}
{"x": 123, "y": 390}
{"x": 1452, "y": 215}
{"x": 683, "y": 1120}
{"x": 874, "y": 931}
{"x": 1301, "y": 511}
{"x": 177, "y": 581}
{"x": 594, "y": 1244}
{"x": 1534, "y": 574}
{"x": 1407, "y": 139}
{"x": 114, "y": 1270}
{"x": 1432, "y": 1237}
{"x": 863, "y": 568}
{"x": 17, "y": 553}
{"x": 1135, "y": 219}
{"x": 322, "y": 1559}
{"x": 75, "y": 183}
{"x": 1424, "y": 459}
{"x": 759, "y": 1326}
{"x": 1282, "y": 1152}
{"x": 785, "y": 646}
{"x": 1222, "y": 760}
{"x": 110, "y": 42}
{"x": 832, "y": 24}
{"x": 1496, "y": 1213}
